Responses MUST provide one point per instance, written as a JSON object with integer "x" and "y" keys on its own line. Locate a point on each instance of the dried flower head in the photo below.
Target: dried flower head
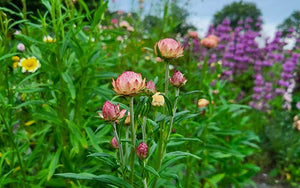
{"x": 203, "y": 103}
{"x": 177, "y": 80}
{"x": 129, "y": 83}
{"x": 168, "y": 49}
{"x": 158, "y": 100}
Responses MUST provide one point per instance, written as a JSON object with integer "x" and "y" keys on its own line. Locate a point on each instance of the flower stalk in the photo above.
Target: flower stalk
{"x": 120, "y": 149}
{"x": 132, "y": 140}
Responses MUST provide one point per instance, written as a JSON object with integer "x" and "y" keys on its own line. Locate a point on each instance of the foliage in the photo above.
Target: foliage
{"x": 237, "y": 11}
{"x": 293, "y": 21}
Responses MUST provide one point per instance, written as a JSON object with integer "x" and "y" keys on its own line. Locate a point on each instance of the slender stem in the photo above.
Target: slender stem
{"x": 132, "y": 141}
{"x": 167, "y": 78}
{"x": 174, "y": 112}
{"x": 126, "y": 144}
{"x": 120, "y": 149}
{"x": 145, "y": 183}
{"x": 144, "y": 128}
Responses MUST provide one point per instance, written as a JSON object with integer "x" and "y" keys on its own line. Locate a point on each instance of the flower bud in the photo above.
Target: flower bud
{"x": 142, "y": 150}
{"x": 151, "y": 88}
{"x": 203, "y": 103}
{"x": 15, "y": 58}
{"x": 158, "y": 100}
{"x": 21, "y": 47}
{"x": 129, "y": 83}
{"x": 110, "y": 112}
{"x": 168, "y": 49}
{"x": 177, "y": 80}
{"x": 158, "y": 59}
{"x": 114, "y": 143}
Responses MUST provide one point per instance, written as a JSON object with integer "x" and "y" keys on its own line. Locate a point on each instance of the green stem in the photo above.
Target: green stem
{"x": 126, "y": 144}
{"x": 144, "y": 129}
{"x": 177, "y": 90}
{"x": 132, "y": 140}
{"x": 120, "y": 149}
{"x": 167, "y": 78}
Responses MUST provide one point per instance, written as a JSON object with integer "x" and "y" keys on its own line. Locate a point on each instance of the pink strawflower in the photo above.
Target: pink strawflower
{"x": 110, "y": 112}
{"x": 114, "y": 143}
{"x": 177, "y": 79}
{"x": 129, "y": 83}
{"x": 124, "y": 24}
{"x": 142, "y": 150}
{"x": 120, "y": 38}
{"x": 21, "y": 47}
{"x": 168, "y": 49}
{"x": 193, "y": 34}
{"x": 130, "y": 28}
{"x": 151, "y": 88}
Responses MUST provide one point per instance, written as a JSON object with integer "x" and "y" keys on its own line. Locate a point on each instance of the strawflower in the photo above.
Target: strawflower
{"x": 203, "y": 103}
{"x": 168, "y": 49}
{"x": 142, "y": 150}
{"x": 110, "y": 112}
{"x": 177, "y": 80}
{"x": 158, "y": 100}
{"x": 21, "y": 47}
{"x": 114, "y": 143}
{"x": 129, "y": 83}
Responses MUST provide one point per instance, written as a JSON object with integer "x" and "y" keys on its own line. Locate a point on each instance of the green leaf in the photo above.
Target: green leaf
{"x": 106, "y": 158}
{"x": 215, "y": 179}
{"x": 53, "y": 164}
{"x": 181, "y": 153}
{"x": 29, "y": 103}
{"x": 152, "y": 170}
{"x": 168, "y": 103}
{"x": 70, "y": 84}
{"x": 93, "y": 139}
{"x": 108, "y": 179}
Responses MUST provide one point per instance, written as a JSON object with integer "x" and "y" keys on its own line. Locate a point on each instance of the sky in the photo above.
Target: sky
{"x": 201, "y": 12}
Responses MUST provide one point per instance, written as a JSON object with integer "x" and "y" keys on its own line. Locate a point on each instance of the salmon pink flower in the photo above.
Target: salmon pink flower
{"x": 177, "y": 80}
{"x": 114, "y": 143}
{"x": 193, "y": 34}
{"x": 142, "y": 150}
{"x": 168, "y": 49}
{"x": 129, "y": 83}
{"x": 110, "y": 112}
{"x": 210, "y": 42}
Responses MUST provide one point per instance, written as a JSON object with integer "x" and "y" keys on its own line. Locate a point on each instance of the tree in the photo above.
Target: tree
{"x": 238, "y": 11}
{"x": 293, "y": 21}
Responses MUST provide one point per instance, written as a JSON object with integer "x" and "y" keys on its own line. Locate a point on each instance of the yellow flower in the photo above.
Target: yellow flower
{"x": 29, "y": 64}
{"x": 28, "y": 123}
{"x": 48, "y": 39}
{"x": 15, "y": 58}
{"x": 15, "y": 64}
{"x": 158, "y": 100}
{"x": 203, "y": 103}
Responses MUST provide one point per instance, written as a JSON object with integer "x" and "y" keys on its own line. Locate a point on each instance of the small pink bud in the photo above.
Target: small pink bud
{"x": 158, "y": 59}
{"x": 129, "y": 83}
{"x": 130, "y": 28}
{"x": 114, "y": 143}
{"x": 110, "y": 112}
{"x": 114, "y": 21}
{"x": 151, "y": 88}
{"x": 168, "y": 49}
{"x": 193, "y": 34}
{"x": 21, "y": 47}
{"x": 142, "y": 150}
{"x": 177, "y": 80}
